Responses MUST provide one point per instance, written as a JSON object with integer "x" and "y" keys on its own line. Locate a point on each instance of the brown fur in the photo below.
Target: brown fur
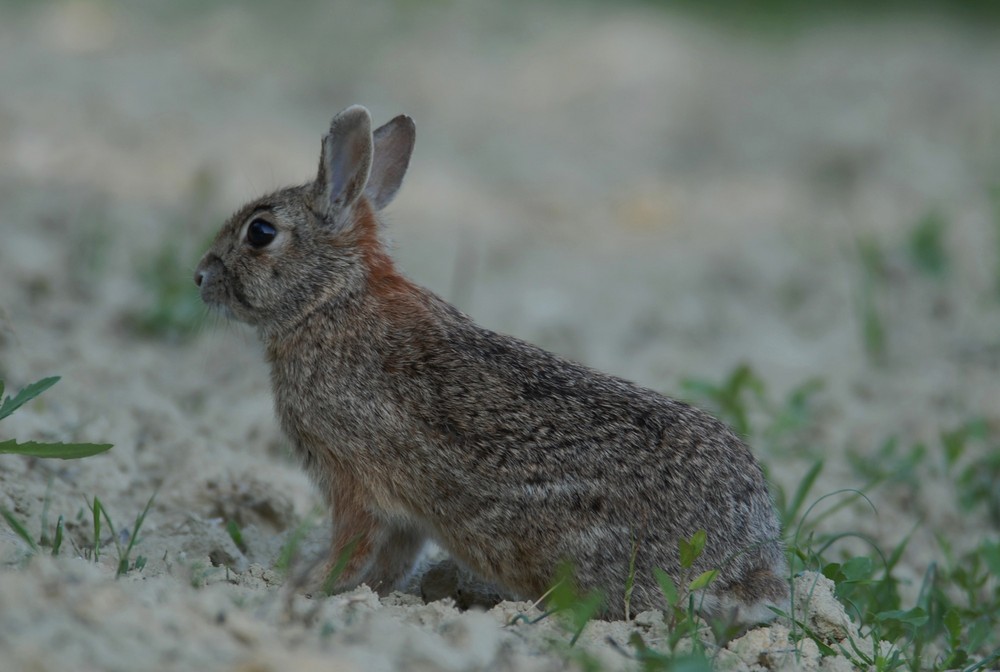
{"x": 418, "y": 424}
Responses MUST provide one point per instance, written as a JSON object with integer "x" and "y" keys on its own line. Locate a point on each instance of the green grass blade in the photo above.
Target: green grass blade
{"x": 897, "y": 553}
{"x": 801, "y": 492}
{"x": 97, "y": 528}
{"x": 62, "y": 451}
{"x": 630, "y": 577}
{"x": 57, "y": 541}
{"x": 290, "y": 549}
{"x": 703, "y": 580}
{"x": 853, "y": 495}
{"x": 123, "y": 557}
{"x": 10, "y": 405}
{"x": 575, "y": 609}
{"x": 991, "y": 555}
{"x": 114, "y": 532}
{"x": 667, "y": 587}
{"x": 981, "y": 665}
{"x": 584, "y": 612}
{"x": 690, "y": 549}
{"x": 236, "y": 534}
{"x": 338, "y": 568}
{"x": 43, "y": 538}
{"x": 18, "y": 528}
{"x": 927, "y": 245}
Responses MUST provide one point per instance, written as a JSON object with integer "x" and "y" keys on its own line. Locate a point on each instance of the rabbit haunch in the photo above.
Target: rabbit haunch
{"x": 418, "y": 424}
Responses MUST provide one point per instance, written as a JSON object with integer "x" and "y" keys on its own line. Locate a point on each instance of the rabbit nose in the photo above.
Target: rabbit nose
{"x": 203, "y": 273}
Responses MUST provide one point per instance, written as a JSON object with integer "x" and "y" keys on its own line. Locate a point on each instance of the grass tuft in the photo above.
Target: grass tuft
{"x": 125, "y": 552}
{"x": 954, "y": 622}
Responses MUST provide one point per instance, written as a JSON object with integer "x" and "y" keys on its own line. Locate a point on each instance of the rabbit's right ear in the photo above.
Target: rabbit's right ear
{"x": 345, "y": 161}
{"x": 393, "y": 147}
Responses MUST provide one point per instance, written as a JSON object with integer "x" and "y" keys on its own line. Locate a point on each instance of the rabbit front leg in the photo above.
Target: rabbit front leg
{"x": 367, "y": 547}
{"x": 398, "y": 547}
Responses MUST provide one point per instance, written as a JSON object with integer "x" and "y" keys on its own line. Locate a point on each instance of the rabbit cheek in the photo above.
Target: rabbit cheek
{"x": 252, "y": 298}
{"x": 242, "y": 308}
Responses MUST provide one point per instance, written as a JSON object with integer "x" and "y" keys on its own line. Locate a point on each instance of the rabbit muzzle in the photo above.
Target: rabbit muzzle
{"x": 207, "y": 276}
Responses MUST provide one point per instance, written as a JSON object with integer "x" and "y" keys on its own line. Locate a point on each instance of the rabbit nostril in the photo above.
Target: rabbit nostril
{"x": 199, "y": 276}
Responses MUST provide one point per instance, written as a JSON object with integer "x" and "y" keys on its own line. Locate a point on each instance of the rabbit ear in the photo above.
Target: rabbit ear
{"x": 393, "y": 147}
{"x": 345, "y": 161}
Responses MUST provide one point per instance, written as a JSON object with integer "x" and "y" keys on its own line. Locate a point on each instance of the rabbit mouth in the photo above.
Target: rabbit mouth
{"x": 223, "y": 303}
{"x": 231, "y": 305}
{"x": 221, "y": 310}
{"x": 219, "y": 293}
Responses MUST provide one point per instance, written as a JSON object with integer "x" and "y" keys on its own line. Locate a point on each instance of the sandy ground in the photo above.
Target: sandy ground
{"x": 624, "y": 186}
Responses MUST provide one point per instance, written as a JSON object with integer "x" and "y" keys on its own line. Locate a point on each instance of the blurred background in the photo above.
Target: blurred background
{"x": 786, "y": 211}
{"x": 713, "y": 185}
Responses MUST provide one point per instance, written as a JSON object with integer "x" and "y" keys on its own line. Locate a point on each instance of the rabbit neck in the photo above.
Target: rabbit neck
{"x": 365, "y": 283}
{"x": 370, "y": 315}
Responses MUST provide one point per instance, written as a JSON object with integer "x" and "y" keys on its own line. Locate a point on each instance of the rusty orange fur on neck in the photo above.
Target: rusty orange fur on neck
{"x": 400, "y": 297}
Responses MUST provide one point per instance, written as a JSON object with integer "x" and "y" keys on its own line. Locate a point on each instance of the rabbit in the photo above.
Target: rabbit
{"x": 419, "y": 425}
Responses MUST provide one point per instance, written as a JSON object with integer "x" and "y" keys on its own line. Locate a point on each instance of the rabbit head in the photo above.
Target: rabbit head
{"x": 302, "y": 246}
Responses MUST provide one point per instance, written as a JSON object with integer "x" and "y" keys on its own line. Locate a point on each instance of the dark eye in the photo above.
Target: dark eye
{"x": 260, "y": 233}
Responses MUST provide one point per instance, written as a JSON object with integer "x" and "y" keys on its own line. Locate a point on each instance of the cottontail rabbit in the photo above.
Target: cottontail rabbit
{"x": 418, "y": 424}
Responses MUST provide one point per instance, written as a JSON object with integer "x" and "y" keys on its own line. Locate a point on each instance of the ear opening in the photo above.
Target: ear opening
{"x": 393, "y": 145}
{"x": 345, "y": 161}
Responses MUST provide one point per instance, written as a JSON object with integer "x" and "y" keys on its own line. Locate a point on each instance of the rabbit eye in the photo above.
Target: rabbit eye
{"x": 260, "y": 233}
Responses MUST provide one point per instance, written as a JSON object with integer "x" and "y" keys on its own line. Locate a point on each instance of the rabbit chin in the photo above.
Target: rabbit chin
{"x": 220, "y": 309}
{"x": 223, "y": 306}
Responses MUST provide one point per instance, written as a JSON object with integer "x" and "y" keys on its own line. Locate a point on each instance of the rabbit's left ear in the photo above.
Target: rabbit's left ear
{"x": 345, "y": 162}
{"x": 393, "y": 147}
